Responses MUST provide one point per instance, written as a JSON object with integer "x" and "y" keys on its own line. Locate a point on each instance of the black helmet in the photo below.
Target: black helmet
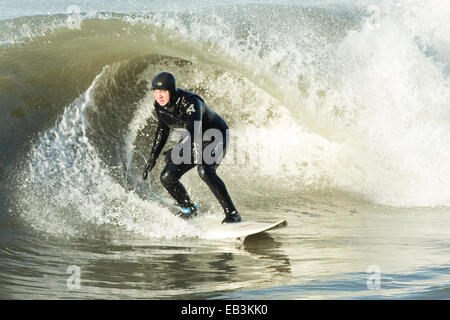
{"x": 164, "y": 81}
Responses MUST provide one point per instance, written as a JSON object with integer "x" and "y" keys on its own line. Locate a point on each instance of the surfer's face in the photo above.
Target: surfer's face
{"x": 161, "y": 96}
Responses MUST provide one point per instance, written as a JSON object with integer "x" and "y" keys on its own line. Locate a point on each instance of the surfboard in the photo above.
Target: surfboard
{"x": 213, "y": 229}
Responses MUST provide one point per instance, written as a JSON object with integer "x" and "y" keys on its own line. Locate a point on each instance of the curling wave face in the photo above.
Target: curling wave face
{"x": 337, "y": 100}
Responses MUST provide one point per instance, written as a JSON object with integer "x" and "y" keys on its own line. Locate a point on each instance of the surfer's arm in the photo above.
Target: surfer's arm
{"x": 161, "y": 135}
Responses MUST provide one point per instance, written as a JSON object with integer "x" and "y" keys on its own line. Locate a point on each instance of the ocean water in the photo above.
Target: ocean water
{"x": 340, "y": 123}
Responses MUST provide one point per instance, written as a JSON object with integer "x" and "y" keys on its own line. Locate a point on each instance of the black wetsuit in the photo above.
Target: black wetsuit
{"x": 187, "y": 110}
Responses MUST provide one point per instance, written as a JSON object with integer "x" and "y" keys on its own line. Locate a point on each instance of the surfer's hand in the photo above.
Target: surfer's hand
{"x": 148, "y": 167}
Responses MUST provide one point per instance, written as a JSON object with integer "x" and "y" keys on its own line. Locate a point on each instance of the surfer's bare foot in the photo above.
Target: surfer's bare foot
{"x": 232, "y": 217}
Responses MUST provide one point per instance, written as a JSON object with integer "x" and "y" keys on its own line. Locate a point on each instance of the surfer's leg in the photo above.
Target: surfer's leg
{"x": 170, "y": 179}
{"x": 217, "y": 187}
{"x": 208, "y": 174}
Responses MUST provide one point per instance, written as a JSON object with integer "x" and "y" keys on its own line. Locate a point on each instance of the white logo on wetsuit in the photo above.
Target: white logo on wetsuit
{"x": 190, "y": 109}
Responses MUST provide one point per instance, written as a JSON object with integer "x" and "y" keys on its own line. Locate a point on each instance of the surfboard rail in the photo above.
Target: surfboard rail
{"x": 212, "y": 228}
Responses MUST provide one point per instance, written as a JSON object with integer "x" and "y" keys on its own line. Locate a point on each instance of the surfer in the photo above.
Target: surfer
{"x": 176, "y": 108}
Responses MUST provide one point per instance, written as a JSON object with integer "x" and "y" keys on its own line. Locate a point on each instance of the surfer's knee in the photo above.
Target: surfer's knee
{"x": 166, "y": 178}
{"x": 205, "y": 172}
